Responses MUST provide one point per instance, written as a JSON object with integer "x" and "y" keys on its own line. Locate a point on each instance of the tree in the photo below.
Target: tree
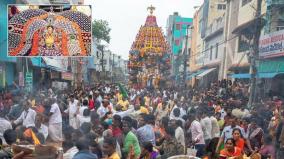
{"x": 101, "y": 30}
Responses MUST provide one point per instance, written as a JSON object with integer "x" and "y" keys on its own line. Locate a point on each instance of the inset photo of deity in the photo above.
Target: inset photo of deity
{"x": 49, "y": 30}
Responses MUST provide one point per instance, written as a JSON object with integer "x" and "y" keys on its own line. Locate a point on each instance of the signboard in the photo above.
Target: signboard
{"x": 29, "y": 81}
{"x": 21, "y": 79}
{"x": 54, "y": 75}
{"x": 67, "y": 76}
{"x": 60, "y": 85}
{"x": 272, "y": 45}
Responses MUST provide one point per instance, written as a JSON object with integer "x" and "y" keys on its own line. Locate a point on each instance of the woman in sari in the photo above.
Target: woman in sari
{"x": 230, "y": 150}
{"x": 239, "y": 141}
{"x": 148, "y": 151}
{"x": 255, "y": 135}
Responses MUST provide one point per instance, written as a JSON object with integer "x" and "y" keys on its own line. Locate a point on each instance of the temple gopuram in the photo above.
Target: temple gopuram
{"x": 149, "y": 57}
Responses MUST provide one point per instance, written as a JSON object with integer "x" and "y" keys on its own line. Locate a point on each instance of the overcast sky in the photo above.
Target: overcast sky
{"x": 126, "y": 16}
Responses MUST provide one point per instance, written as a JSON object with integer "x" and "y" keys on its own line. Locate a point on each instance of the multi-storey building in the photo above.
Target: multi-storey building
{"x": 208, "y": 42}
{"x": 176, "y": 32}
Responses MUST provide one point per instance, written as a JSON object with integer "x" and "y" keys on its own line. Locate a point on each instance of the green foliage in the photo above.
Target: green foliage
{"x": 101, "y": 30}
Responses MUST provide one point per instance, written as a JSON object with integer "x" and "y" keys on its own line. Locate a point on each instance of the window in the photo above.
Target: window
{"x": 178, "y": 26}
{"x": 278, "y": 28}
{"x": 244, "y": 2}
{"x": 221, "y": 6}
{"x": 211, "y": 51}
{"x": 243, "y": 44}
{"x": 216, "y": 53}
{"x": 280, "y": 21}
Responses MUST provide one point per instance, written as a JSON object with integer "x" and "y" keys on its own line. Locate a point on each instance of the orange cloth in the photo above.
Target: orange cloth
{"x": 240, "y": 144}
{"x": 34, "y": 50}
{"x": 35, "y": 139}
{"x": 30, "y": 134}
{"x": 162, "y": 131}
{"x": 64, "y": 49}
{"x": 237, "y": 152}
{"x": 39, "y": 109}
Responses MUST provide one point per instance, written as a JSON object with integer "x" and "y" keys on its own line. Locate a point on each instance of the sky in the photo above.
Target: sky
{"x": 126, "y": 16}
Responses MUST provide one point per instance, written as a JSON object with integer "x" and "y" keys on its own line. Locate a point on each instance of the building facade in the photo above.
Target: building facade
{"x": 222, "y": 39}
{"x": 270, "y": 67}
{"x": 177, "y": 27}
{"x": 206, "y": 60}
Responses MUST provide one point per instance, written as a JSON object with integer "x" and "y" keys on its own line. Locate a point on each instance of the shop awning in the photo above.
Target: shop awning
{"x": 205, "y": 73}
{"x": 194, "y": 74}
{"x": 259, "y": 75}
{"x": 268, "y": 75}
{"x": 271, "y": 65}
{"x": 241, "y": 75}
{"x": 59, "y": 64}
{"x": 191, "y": 76}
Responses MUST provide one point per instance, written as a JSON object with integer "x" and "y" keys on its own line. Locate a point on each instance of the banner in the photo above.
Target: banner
{"x": 272, "y": 45}
{"x": 29, "y": 81}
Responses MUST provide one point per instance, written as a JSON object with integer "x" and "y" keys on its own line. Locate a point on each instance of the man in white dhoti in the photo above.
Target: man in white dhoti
{"x": 72, "y": 111}
{"x": 55, "y": 122}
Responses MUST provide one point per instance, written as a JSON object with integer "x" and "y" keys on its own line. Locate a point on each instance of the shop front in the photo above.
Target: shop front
{"x": 270, "y": 68}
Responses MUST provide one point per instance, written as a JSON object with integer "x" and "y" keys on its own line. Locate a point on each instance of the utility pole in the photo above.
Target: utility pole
{"x": 101, "y": 47}
{"x": 254, "y": 53}
{"x": 112, "y": 68}
{"x": 119, "y": 76}
{"x": 185, "y": 56}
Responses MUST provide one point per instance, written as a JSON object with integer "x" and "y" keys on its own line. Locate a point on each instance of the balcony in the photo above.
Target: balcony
{"x": 215, "y": 28}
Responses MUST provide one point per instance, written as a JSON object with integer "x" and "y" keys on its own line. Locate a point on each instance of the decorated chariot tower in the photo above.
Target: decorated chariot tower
{"x": 149, "y": 57}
